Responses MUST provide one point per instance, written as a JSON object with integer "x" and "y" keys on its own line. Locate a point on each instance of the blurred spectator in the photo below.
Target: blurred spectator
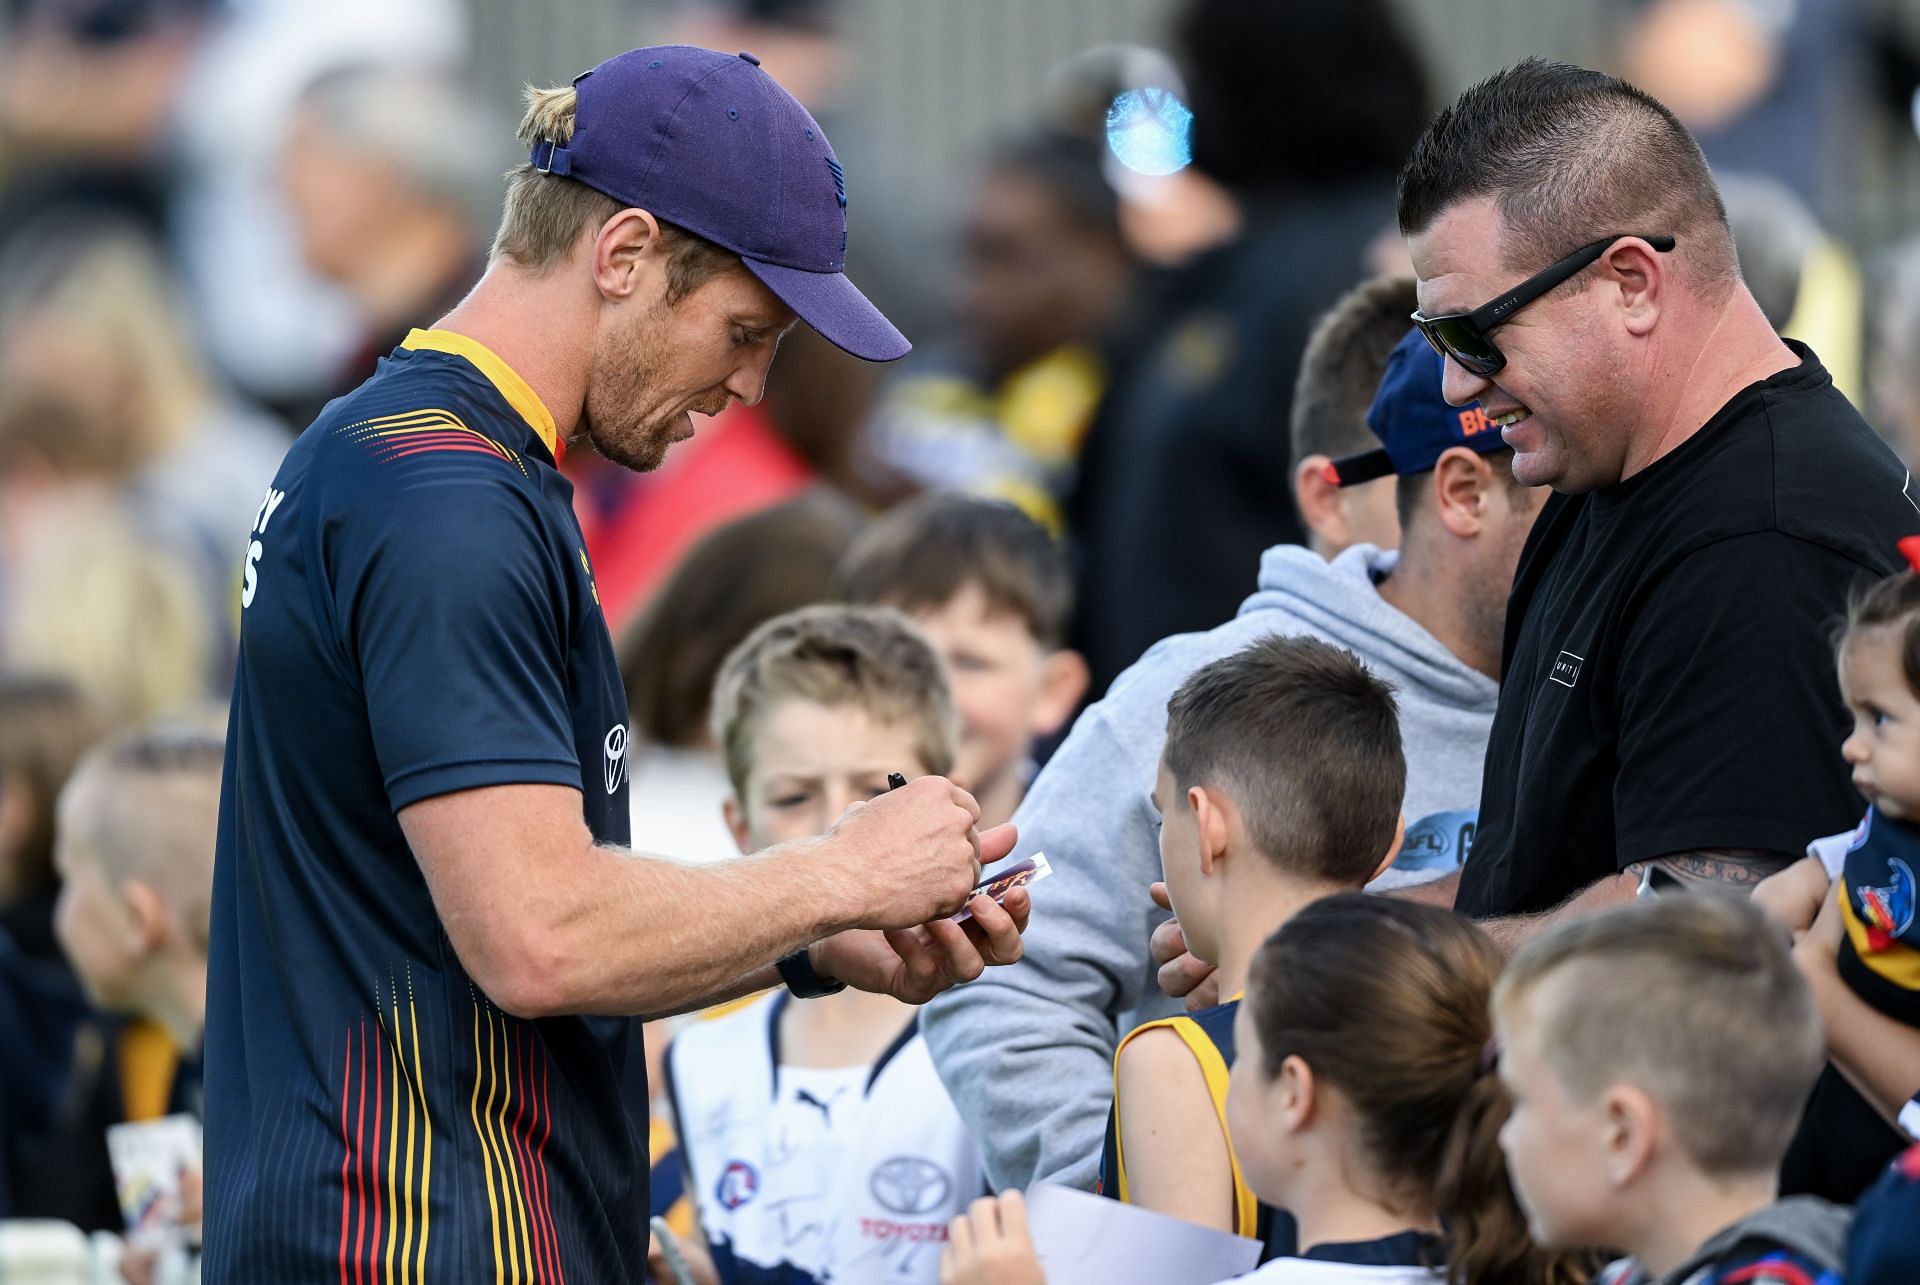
{"x": 135, "y": 854}
{"x": 265, "y": 321}
{"x": 85, "y": 91}
{"x": 1189, "y": 439}
{"x": 1043, "y": 269}
{"x": 740, "y": 575}
{"x": 383, "y": 172}
{"x": 46, "y": 725}
{"x": 89, "y": 598}
{"x": 1766, "y": 86}
{"x": 1806, "y": 282}
{"x": 1340, "y": 372}
{"x": 1893, "y": 366}
{"x": 99, "y": 384}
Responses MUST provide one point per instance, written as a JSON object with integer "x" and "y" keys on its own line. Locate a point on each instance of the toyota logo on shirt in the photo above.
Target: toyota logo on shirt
{"x": 910, "y": 1185}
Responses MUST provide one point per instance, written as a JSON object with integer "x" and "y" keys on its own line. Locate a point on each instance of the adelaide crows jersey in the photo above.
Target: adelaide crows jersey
{"x": 419, "y": 618}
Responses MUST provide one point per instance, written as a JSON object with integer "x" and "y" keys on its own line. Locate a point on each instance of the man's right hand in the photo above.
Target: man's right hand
{"x": 1181, "y": 975}
{"x": 912, "y": 855}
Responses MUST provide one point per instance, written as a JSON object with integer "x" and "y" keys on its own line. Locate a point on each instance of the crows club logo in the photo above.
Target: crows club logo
{"x": 616, "y": 764}
{"x": 739, "y": 1183}
{"x": 1888, "y": 908}
{"x": 910, "y": 1185}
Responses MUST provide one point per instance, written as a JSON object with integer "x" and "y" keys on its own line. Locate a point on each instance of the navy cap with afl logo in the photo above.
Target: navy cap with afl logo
{"x": 711, "y": 143}
{"x": 1413, "y": 421}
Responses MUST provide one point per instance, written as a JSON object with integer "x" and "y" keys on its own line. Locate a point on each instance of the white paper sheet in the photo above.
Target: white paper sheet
{"x": 1084, "y": 1239}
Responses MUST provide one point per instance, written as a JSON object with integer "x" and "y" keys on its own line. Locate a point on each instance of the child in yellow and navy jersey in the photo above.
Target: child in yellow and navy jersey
{"x": 1280, "y": 784}
{"x": 1851, "y": 906}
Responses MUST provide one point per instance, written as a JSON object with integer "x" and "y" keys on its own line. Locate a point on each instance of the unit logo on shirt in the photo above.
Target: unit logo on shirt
{"x": 910, "y": 1185}
{"x": 739, "y": 1183}
{"x": 1566, "y": 669}
{"x": 616, "y": 764}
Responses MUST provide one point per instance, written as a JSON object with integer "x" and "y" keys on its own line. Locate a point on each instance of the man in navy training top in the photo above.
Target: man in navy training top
{"x": 427, "y": 933}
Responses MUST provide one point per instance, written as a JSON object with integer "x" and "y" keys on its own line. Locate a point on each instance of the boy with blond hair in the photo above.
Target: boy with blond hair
{"x": 1657, "y": 1057}
{"x": 816, "y": 1136}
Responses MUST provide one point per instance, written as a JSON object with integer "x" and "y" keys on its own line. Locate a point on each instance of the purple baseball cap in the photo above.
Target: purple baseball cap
{"x": 709, "y": 142}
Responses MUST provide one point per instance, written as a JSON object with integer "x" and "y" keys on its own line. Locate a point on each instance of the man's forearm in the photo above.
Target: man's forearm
{"x": 643, "y": 935}
{"x": 1734, "y": 870}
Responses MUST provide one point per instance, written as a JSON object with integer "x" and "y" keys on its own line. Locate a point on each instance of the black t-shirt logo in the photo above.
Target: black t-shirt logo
{"x": 1566, "y": 669}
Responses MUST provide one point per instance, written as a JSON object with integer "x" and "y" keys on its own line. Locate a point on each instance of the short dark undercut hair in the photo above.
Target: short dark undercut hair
{"x": 1341, "y": 370}
{"x": 1306, "y": 742}
{"x": 1569, "y": 156}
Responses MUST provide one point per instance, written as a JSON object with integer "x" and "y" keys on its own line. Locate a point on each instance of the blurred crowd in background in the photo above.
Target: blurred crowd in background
{"x": 214, "y": 217}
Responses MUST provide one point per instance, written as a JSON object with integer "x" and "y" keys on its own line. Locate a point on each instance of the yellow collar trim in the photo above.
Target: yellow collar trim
{"x": 517, "y": 391}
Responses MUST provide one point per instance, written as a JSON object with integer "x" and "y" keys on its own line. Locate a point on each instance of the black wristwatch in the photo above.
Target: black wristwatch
{"x": 796, "y": 970}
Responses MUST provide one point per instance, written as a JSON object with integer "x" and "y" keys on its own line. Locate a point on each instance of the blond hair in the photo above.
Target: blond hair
{"x": 145, "y": 805}
{"x": 1677, "y": 996}
{"x": 97, "y": 602}
{"x": 870, "y": 658}
{"x": 546, "y": 213}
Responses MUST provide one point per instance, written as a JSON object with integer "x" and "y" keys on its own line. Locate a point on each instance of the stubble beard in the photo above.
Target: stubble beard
{"x": 628, "y": 372}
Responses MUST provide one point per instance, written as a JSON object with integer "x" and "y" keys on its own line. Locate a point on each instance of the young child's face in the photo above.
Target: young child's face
{"x": 1555, "y": 1145}
{"x": 1884, "y": 747}
{"x": 811, "y": 762}
{"x": 95, "y": 927}
{"x": 998, "y": 672}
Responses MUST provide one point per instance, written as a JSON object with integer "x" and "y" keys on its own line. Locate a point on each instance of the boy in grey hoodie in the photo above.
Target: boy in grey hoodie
{"x": 1027, "y": 1054}
{"x": 1656, "y": 1058}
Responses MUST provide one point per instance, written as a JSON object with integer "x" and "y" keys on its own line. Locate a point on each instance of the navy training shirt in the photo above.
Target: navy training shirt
{"x": 419, "y": 617}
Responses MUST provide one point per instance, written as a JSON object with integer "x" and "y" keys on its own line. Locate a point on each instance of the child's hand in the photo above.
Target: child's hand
{"x": 989, "y": 1245}
{"x": 1792, "y": 898}
{"x": 1181, "y": 976}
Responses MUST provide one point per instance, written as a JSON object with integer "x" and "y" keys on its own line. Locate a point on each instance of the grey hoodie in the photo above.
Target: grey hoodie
{"x": 1027, "y": 1051}
{"x": 1808, "y": 1233}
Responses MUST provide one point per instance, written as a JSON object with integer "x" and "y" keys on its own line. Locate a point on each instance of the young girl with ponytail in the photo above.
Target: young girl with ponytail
{"x": 1363, "y": 1101}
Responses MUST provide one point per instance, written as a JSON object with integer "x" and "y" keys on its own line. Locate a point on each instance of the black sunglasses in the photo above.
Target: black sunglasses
{"x": 1465, "y": 337}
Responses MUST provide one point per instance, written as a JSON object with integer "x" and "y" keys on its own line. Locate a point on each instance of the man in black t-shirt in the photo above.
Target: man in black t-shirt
{"x": 1668, "y": 700}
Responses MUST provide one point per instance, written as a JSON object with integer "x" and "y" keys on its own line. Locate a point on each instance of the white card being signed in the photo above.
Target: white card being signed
{"x": 1084, "y": 1239}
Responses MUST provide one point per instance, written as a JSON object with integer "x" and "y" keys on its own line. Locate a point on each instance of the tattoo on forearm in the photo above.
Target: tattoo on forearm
{"x": 1729, "y": 867}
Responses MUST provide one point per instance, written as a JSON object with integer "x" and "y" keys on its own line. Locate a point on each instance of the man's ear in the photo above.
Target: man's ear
{"x": 1634, "y": 1124}
{"x": 623, "y": 249}
{"x": 1214, "y": 819}
{"x": 736, "y": 818}
{"x": 1318, "y": 499}
{"x": 1063, "y": 681}
{"x": 1638, "y": 275}
{"x": 1462, "y": 485}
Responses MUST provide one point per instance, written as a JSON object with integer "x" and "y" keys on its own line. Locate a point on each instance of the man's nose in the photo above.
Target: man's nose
{"x": 748, "y": 382}
{"x": 1460, "y": 385}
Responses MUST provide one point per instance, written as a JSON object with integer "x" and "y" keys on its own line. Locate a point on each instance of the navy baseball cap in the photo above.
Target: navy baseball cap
{"x": 1413, "y": 421}
{"x": 711, "y": 143}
